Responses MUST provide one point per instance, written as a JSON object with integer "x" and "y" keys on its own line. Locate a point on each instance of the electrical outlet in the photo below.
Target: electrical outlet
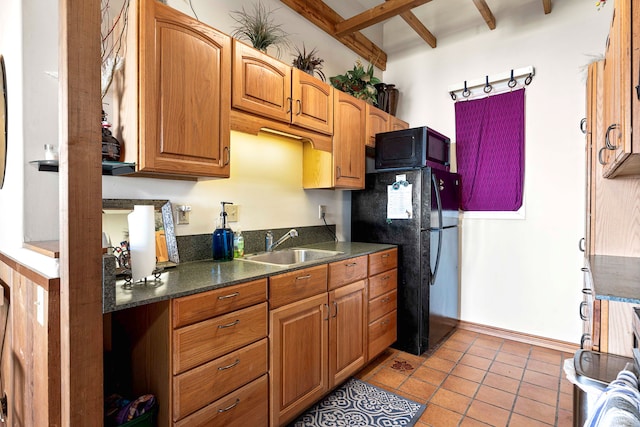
{"x": 182, "y": 214}
{"x": 232, "y": 213}
{"x": 322, "y": 211}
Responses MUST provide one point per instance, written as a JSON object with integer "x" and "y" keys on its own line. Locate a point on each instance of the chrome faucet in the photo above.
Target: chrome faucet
{"x": 269, "y": 245}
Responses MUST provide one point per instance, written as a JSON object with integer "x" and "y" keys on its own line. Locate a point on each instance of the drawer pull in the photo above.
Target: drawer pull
{"x": 233, "y": 405}
{"x": 224, "y": 368}
{"x": 351, "y": 264}
{"x": 386, "y": 278}
{"x": 384, "y": 256}
{"x": 228, "y": 325}
{"x": 385, "y": 322}
{"x": 584, "y": 269}
{"x": 308, "y": 276}
{"x": 583, "y": 316}
{"x": 385, "y": 300}
{"x": 235, "y": 294}
{"x": 587, "y": 291}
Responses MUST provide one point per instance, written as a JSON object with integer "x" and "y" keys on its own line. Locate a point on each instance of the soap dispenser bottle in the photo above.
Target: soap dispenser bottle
{"x": 222, "y": 238}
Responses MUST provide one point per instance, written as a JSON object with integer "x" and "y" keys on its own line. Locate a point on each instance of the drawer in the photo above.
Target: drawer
{"x": 247, "y": 406}
{"x": 347, "y": 271}
{"x": 297, "y": 285}
{"x": 382, "y": 333}
{"x": 382, "y": 305}
{"x": 383, "y": 261}
{"x": 194, "y": 308}
{"x": 201, "y": 342}
{"x": 383, "y": 283}
{"x": 200, "y": 386}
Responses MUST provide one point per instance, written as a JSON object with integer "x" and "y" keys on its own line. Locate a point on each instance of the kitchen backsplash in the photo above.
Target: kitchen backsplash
{"x": 198, "y": 247}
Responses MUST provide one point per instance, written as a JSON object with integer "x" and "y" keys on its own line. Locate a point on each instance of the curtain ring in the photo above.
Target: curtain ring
{"x": 512, "y": 82}
{"x": 527, "y": 81}
{"x": 487, "y": 86}
{"x": 466, "y": 92}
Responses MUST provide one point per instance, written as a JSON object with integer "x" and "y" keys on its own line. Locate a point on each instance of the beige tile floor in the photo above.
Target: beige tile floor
{"x": 473, "y": 379}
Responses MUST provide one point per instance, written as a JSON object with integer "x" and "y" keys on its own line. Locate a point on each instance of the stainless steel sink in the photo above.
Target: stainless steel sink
{"x": 289, "y": 257}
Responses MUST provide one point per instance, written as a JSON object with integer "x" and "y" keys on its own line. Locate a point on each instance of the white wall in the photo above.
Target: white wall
{"x": 519, "y": 274}
{"x": 29, "y": 199}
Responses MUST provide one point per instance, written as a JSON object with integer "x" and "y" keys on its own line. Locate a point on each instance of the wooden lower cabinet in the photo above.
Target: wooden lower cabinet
{"x": 383, "y": 301}
{"x": 317, "y": 342}
{"x": 246, "y": 406}
{"x": 347, "y": 331}
{"x": 298, "y": 363}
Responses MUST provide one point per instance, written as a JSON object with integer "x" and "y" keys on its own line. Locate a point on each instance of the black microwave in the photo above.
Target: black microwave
{"x": 412, "y": 148}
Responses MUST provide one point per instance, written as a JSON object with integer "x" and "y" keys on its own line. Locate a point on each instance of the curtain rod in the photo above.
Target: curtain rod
{"x": 491, "y": 79}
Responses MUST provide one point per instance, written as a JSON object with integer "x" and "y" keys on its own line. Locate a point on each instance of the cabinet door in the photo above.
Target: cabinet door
{"x": 617, "y": 91}
{"x": 185, "y": 94}
{"x": 298, "y": 364}
{"x": 347, "y": 331}
{"x": 261, "y": 84}
{"x": 349, "y": 139}
{"x": 312, "y": 106}
{"x": 377, "y": 121}
{"x": 398, "y": 124}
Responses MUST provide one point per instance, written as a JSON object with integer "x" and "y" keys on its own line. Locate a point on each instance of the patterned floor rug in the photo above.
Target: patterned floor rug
{"x": 357, "y": 403}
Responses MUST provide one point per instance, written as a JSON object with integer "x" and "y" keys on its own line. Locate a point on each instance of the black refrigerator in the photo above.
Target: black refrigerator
{"x": 416, "y": 209}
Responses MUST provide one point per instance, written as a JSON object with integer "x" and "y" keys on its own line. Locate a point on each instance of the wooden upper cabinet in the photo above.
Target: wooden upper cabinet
{"x": 269, "y": 88}
{"x": 174, "y": 98}
{"x": 312, "y": 103}
{"x": 619, "y": 150}
{"x": 398, "y": 124}
{"x": 378, "y": 121}
{"x": 261, "y": 84}
{"x": 349, "y": 141}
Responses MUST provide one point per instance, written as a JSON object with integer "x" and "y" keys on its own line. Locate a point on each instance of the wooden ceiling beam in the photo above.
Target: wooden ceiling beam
{"x": 375, "y": 15}
{"x": 484, "y": 10}
{"x": 325, "y": 18}
{"x": 546, "y": 5}
{"x": 419, "y": 28}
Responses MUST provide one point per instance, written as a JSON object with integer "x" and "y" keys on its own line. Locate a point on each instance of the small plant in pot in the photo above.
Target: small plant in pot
{"x": 359, "y": 82}
{"x": 308, "y": 62}
{"x": 258, "y": 27}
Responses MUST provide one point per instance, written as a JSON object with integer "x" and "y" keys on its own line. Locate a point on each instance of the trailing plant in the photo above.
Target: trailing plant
{"x": 308, "y": 62}
{"x": 259, "y": 28}
{"x": 359, "y": 82}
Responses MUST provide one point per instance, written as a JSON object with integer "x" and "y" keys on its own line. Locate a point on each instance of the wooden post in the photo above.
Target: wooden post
{"x": 80, "y": 176}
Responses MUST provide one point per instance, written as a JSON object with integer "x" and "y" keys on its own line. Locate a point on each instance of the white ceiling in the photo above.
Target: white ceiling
{"x": 443, "y": 18}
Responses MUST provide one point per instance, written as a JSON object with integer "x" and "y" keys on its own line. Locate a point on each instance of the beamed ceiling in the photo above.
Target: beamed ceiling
{"x": 347, "y": 30}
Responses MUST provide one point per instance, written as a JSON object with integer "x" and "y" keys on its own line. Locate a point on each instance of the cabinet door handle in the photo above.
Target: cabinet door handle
{"x": 600, "y": 159}
{"x": 607, "y": 141}
{"x": 586, "y": 291}
{"x": 235, "y": 294}
{"x": 299, "y": 104}
{"x": 326, "y": 307}
{"x": 224, "y": 368}
{"x": 581, "y": 244}
{"x": 229, "y": 325}
{"x": 338, "y": 175}
{"x": 583, "y": 316}
{"x": 585, "y": 337}
{"x": 583, "y": 125}
{"x": 233, "y": 405}
{"x": 225, "y": 161}
{"x": 335, "y": 305}
{"x": 289, "y": 101}
{"x": 308, "y": 276}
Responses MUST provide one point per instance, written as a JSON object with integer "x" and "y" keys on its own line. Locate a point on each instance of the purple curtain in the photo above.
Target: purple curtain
{"x": 490, "y": 151}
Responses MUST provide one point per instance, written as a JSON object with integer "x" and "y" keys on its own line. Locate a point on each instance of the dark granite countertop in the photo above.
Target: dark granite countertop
{"x": 615, "y": 278}
{"x": 199, "y": 276}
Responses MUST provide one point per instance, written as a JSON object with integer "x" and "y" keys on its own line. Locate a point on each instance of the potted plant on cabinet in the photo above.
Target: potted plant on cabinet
{"x": 258, "y": 27}
{"x": 358, "y": 82}
{"x": 308, "y": 62}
